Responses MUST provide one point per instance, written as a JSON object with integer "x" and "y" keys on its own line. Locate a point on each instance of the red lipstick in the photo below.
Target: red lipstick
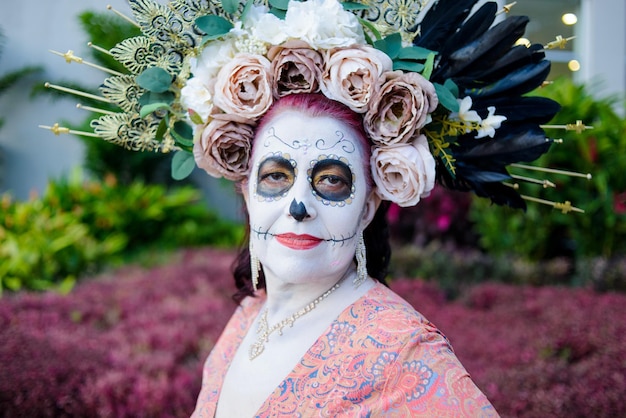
{"x": 298, "y": 242}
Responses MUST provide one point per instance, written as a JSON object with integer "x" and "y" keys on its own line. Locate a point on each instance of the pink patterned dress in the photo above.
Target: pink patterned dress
{"x": 378, "y": 358}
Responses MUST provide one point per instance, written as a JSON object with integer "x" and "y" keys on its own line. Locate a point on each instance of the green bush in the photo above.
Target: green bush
{"x": 543, "y": 233}
{"x": 79, "y": 226}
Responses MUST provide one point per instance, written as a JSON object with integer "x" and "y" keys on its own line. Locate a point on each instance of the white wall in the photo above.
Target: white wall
{"x": 31, "y": 27}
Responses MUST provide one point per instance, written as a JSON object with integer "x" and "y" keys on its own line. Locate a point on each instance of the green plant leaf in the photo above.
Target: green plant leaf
{"x": 230, "y": 6}
{"x": 414, "y": 53}
{"x": 349, "y": 5}
{"x": 451, "y": 85}
{"x": 390, "y": 45}
{"x": 404, "y": 65}
{"x": 161, "y": 130}
{"x": 183, "y": 164}
{"x": 151, "y": 97}
{"x": 428, "y": 66}
{"x": 446, "y": 98}
{"x": 213, "y": 26}
{"x": 279, "y": 4}
{"x": 153, "y": 107}
{"x": 155, "y": 79}
{"x": 183, "y": 133}
{"x": 370, "y": 27}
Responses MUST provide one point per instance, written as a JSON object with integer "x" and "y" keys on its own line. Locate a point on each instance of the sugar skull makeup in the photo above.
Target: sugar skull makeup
{"x": 307, "y": 195}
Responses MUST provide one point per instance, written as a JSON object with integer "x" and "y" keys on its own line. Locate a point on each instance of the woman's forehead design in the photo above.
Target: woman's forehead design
{"x": 340, "y": 141}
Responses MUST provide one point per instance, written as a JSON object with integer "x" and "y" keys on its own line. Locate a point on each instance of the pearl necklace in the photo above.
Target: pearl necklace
{"x": 265, "y": 331}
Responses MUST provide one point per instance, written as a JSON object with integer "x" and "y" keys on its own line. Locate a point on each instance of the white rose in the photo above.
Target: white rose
{"x": 270, "y": 29}
{"x": 323, "y": 24}
{"x": 213, "y": 57}
{"x": 196, "y": 96}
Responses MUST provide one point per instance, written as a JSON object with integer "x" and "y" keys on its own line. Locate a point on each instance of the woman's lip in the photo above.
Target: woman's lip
{"x": 298, "y": 242}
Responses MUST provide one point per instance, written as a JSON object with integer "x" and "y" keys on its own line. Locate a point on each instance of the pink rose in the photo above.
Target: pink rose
{"x": 295, "y": 68}
{"x": 223, "y": 146}
{"x": 399, "y": 108}
{"x": 352, "y": 74}
{"x": 243, "y": 86}
{"x": 403, "y": 173}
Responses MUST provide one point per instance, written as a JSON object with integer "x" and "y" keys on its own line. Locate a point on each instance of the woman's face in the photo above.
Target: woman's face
{"x": 307, "y": 197}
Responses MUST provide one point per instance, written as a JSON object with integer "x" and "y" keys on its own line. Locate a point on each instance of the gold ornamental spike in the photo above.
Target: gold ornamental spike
{"x": 560, "y": 42}
{"x": 77, "y": 93}
{"x": 99, "y": 48}
{"x": 565, "y": 207}
{"x": 58, "y": 130}
{"x": 70, "y": 57}
{"x": 122, "y": 15}
{"x": 506, "y": 8}
{"x": 552, "y": 170}
{"x": 94, "y": 109}
{"x": 544, "y": 183}
{"x": 579, "y": 127}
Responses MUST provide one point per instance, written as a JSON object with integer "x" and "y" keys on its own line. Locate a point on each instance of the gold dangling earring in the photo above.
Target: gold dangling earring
{"x": 255, "y": 266}
{"x": 361, "y": 261}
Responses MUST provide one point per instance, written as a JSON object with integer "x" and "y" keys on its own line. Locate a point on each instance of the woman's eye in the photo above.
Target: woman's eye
{"x": 275, "y": 176}
{"x": 332, "y": 180}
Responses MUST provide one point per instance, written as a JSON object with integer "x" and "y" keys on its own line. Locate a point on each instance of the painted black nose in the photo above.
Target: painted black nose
{"x": 297, "y": 210}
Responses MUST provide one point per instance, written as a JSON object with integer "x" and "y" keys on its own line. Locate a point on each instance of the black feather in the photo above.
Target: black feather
{"x": 516, "y": 57}
{"x": 479, "y": 22}
{"x": 518, "y": 82}
{"x": 524, "y": 109}
{"x": 441, "y": 21}
{"x": 488, "y": 48}
{"x": 525, "y": 143}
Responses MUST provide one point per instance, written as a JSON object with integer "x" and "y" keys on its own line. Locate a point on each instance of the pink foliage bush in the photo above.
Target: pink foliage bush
{"x": 133, "y": 345}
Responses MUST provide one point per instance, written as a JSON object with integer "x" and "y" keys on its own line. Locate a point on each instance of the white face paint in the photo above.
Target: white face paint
{"x": 307, "y": 196}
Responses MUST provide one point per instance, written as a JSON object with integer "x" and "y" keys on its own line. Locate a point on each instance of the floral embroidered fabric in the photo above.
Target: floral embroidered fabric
{"x": 378, "y": 358}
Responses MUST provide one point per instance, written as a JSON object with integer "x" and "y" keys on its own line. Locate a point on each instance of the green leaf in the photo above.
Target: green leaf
{"x": 230, "y": 6}
{"x": 182, "y": 165}
{"x": 414, "y": 53}
{"x": 428, "y": 66}
{"x": 451, "y": 85}
{"x": 151, "y": 97}
{"x": 391, "y": 45}
{"x": 152, "y": 107}
{"x": 246, "y": 9}
{"x": 349, "y": 5}
{"x": 404, "y": 65}
{"x": 183, "y": 133}
{"x": 446, "y": 98}
{"x": 213, "y": 26}
{"x": 161, "y": 130}
{"x": 278, "y": 13}
{"x": 155, "y": 79}
{"x": 370, "y": 27}
{"x": 279, "y": 4}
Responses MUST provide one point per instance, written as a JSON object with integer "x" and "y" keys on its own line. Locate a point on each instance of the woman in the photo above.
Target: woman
{"x": 324, "y": 338}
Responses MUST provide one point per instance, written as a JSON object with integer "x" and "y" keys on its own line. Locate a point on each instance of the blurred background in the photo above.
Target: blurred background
{"x": 97, "y": 243}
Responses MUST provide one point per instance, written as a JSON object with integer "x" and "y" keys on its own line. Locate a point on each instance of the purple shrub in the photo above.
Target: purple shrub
{"x": 132, "y": 344}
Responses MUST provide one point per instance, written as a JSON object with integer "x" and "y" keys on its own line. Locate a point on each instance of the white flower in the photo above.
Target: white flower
{"x": 270, "y": 29}
{"x": 489, "y": 125}
{"x": 465, "y": 114}
{"x": 323, "y": 24}
{"x": 196, "y": 96}
{"x": 213, "y": 57}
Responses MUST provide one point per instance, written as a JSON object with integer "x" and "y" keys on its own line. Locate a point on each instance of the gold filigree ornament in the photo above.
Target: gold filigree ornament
{"x": 483, "y": 124}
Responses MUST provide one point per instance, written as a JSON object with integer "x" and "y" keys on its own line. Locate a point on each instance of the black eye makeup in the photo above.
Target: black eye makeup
{"x": 275, "y": 177}
{"x": 332, "y": 180}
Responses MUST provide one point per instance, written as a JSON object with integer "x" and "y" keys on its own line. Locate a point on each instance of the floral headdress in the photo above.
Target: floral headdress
{"x": 442, "y": 92}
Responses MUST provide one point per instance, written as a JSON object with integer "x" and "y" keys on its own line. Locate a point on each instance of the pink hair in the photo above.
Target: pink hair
{"x": 317, "y": 105}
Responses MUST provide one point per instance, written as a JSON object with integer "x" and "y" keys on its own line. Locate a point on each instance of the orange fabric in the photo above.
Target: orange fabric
{"x": 378, "y": 358}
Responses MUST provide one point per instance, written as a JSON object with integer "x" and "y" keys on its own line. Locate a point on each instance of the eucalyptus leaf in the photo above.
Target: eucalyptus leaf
{"x": 414, "y": 53}
{"x": 279, "y": 4}
{"x": 230, "y": 6}
{"x": 155, "y": 79}
{"x": 428, "y": 66}
{"x": 451, "y": 85}
{"x": 246, "y": 9}
{"x": 160, "y": 133}
{"x": 183, "y": 134}
{"x": 214, "y": 26}
{"x": 371, "y": 28}
{"x": 446, "y": 98}
{"x": 150, "y": 97}
{"x": 152, "y": 107}
{"x": 349, "y": 5}
{"x": 390, "y": 45}
{"x": 182, "y": 165}
{"x": 404, "y": 65}
{"x": 278, "y": 13}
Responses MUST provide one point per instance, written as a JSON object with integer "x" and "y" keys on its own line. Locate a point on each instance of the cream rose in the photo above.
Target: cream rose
{"x": 295, "y": 68}
{"x": 352, "y": 74}
{"x": 403, "y": 173}
{"x": 399, "y": 108}
{"x": 243, "y": 86}
{"x": 222, "y": 148}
